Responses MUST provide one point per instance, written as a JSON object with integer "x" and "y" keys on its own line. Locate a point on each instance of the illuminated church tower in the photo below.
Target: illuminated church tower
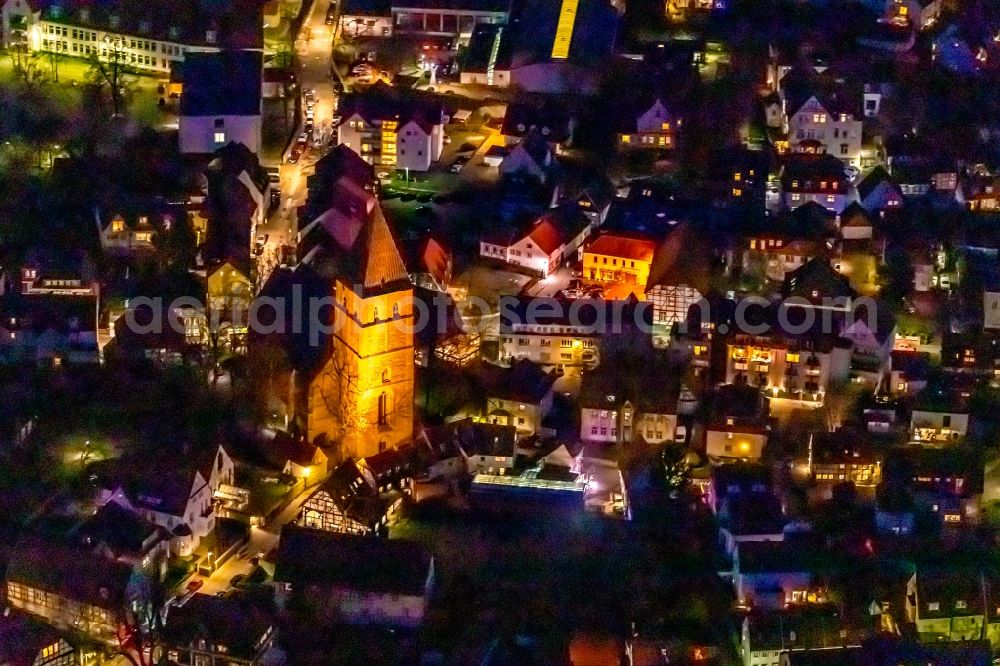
{"x": 363, "y": 394}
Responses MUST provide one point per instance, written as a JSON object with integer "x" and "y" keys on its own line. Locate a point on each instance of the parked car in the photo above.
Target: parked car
{"x": 195, "y": 585}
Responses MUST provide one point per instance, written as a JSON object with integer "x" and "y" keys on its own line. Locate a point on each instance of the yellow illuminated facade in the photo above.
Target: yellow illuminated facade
{"x": 564, "y": 29}
{"x": 389, "y": 142}
{"x": 365, "y": 393}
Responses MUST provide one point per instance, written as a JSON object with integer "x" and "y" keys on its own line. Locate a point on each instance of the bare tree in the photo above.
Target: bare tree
{"x": 27, "y": 66}
{"x": 113, "y": 72}
{"x": 340, "y": 390}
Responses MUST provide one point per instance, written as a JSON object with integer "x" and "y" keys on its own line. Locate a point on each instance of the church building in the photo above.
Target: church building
{"x": 343, "y": 327}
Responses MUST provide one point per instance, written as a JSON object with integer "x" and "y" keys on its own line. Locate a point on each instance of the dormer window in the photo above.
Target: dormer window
{"x": 210, "y": 36}
{"x": 173, "y": 32}
{"x": 117, "y": 225}
{"x": 114, "y": 21}
{"x": 84, "y": 14}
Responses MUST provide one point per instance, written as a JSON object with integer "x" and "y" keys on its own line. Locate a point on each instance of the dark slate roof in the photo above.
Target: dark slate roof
{"x": 383, "y": 102}
{"x": 806, "y": 629}
{"x": 70, "y": 572}
{"x": 233, "y": 623}
{"x": 811, "y": 170}
{"x": 817, "y": 275}
{"x": 645, "y": 382}
{"x": 475, "y": 439}
{"x": 123, "y": 531}
{"x": 542, "y": 114}
{"x": 22, "y": 638}
{"x": 877, "y": 176}
{"x": 237, "y": 24}
{"x": 523, "y": 380}
{"x": 683, "y": 258}
{"x": 225, "y": 83}
{"x": 316, "y": 557}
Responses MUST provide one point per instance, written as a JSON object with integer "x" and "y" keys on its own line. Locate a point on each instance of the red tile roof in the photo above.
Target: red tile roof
{"x": 546, "y": 236}
{"x": 613, "y": 245}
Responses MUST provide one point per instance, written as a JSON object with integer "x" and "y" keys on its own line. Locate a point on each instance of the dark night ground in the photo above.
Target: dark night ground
{"x": 554, "y": 574}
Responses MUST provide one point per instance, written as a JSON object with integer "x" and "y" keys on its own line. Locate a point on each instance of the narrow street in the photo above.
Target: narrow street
{"x": 313, "y": 46}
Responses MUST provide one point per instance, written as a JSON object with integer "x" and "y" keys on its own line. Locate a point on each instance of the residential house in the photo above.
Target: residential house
{"x": 52, "y": 315}
{"x": 221, "y": 101}
{"x": 855, "y": 223}
{"x": 350, "y": 579}
{"x": 843, "y": 456}
{"x": 743, "y": 499}
{"x": 542, "y": 248}
{"x": 76, "y": 590}
{"x": 391, "y": 469}
{"x": 788, "y": 365}
{"x": 909, "y": 372}
{"x": 392, "y": 127}
{"x": 168, "y": 336}
{"x": 554, "y": 332}
{"x": 236, "y": 204}
{"x": 124, "y": 536}
{"x": 654, "y": 128}
{"x": 878, "y": 192}
{"x": 822, "y": 116}
{"x": 619, "y": 259}
{"x": 779, "y": 255}
{"x": 531, "y": 158}
{"x": 772, "y": 575}
{"x": 129, "y": 231}
{"x": 810, "y": 636}
{"x": 445, "y": 460}
{"x": 26, "y": 642}
{"x": 488, "y": 448}
{"x": 947, "y": 482}
{"x": 350, "y": 502}
{"x": 972, "y": 353}
{"x": 737, "y": 425}
{"x": 519, "y": 395}
{"x": 628, "y": 399}
{"x": 948, "y": 604}
{"x": 982, "y": 194}
{"x": 215, "y": 631}
{"x": 528, "y": 114}
{"x": 153, "y": 37}
{"x": 940, "y": 416}
{"x": 176, "y": 497}
{"x": 922, "y": 14}
{"x": 816, "y": 178}
{"x": 680, "y": 274}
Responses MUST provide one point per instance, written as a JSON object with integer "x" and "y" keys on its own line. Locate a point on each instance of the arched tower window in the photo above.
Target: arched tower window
{"x": 383, "y": 409}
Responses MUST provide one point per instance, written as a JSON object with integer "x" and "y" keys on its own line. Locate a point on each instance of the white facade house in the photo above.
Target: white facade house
{"x": 837, "y": 133}
{"x": 221, "y": 102}
{"x": 416, "y": 147}
{"x": 390, "y": 128}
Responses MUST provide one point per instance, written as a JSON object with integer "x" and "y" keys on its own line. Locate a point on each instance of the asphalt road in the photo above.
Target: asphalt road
{"x": 313, "y": 47}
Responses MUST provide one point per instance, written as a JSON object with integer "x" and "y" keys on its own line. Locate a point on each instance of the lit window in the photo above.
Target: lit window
{"x": 220, "y": 137}
{"x": 737, "y": 176}
{"x": 626, "y": 138}
{"x": 737, "y": 192}
{"x": 665, "y": 126}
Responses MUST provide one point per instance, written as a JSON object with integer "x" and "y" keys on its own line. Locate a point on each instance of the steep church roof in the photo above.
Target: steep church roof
{"x": 379, "y": 265}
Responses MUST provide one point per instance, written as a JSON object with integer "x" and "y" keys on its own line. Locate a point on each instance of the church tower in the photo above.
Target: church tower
{"x": 363, "y": 395}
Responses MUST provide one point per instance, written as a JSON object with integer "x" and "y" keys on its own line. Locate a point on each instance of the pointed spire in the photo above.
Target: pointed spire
{"x": 379, "y": 262}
